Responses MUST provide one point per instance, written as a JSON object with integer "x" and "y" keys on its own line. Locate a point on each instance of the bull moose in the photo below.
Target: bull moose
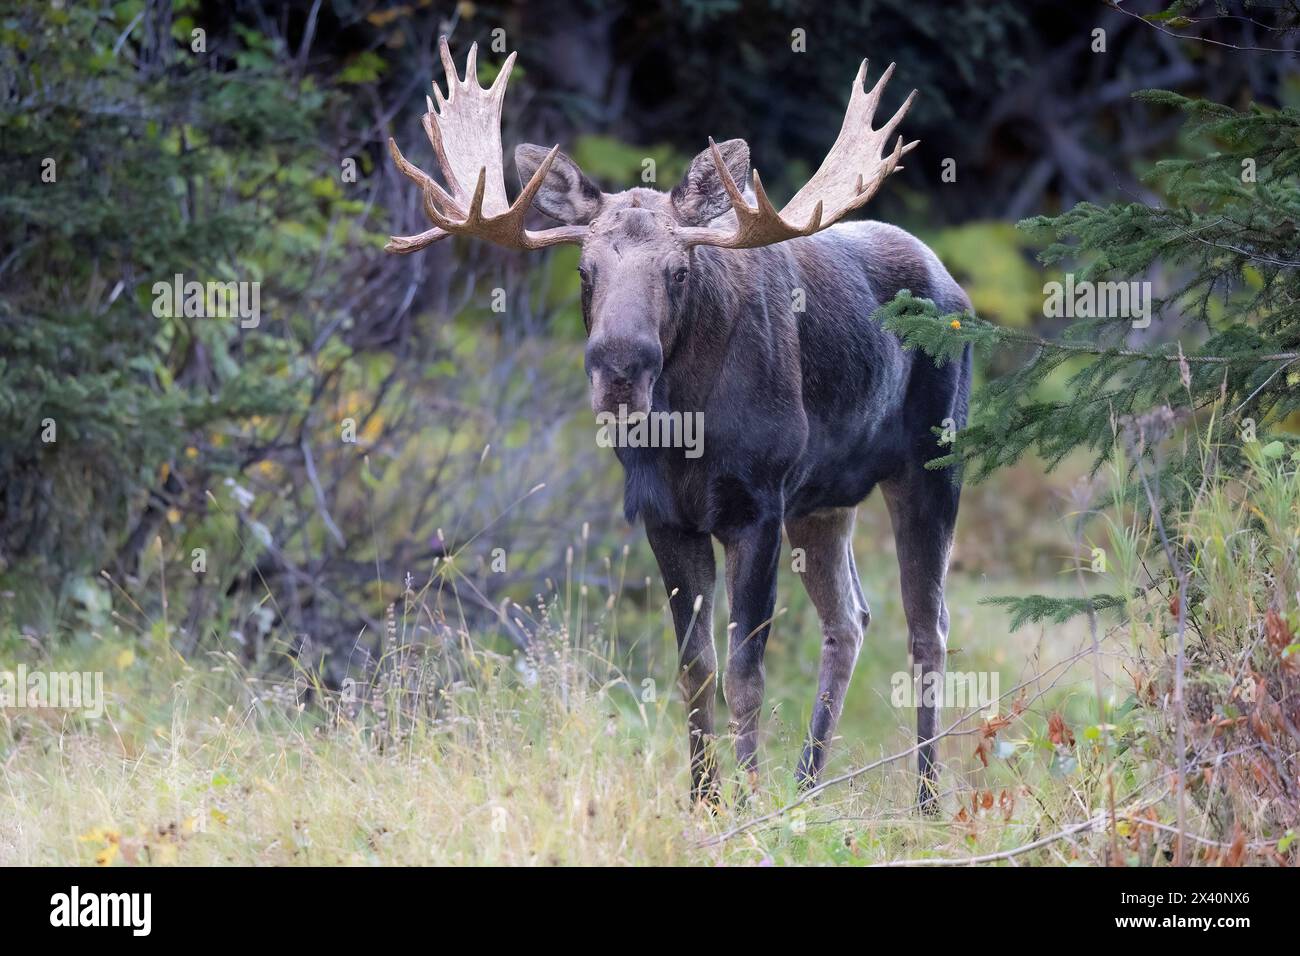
{"x": 689, "y": 299}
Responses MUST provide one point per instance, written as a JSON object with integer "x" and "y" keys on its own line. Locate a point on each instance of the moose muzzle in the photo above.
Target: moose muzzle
{"x": 623, "y": 372}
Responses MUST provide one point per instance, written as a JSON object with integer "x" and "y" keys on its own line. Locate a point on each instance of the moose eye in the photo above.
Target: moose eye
{"x": 680, "y": 275}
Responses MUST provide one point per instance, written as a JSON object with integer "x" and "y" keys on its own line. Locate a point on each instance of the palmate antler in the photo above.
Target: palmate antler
{"x": 465, "y": 130}
{"x": 466, "y": 135}
{"x": 851, "y": 174}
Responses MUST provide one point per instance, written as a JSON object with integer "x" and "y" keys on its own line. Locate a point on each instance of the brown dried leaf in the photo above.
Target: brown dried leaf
{"x": 1058, "y": 732}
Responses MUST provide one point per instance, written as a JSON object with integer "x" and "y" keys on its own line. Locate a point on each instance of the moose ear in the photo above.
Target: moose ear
{"x": 566, "y": 194}
{"x": 700, "y": 197}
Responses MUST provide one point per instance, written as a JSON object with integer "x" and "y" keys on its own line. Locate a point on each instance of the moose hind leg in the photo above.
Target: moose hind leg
{"x": 831, "y": 580}
{"x": 923, "y": 510}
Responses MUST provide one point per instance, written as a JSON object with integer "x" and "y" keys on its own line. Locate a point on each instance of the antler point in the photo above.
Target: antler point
{"x": 480, "y": 188}
{"x": 815, "y": 222}
{"x": 471, "y": 66}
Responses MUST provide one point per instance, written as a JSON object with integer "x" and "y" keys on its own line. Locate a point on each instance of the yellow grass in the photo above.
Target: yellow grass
{"x": 464, "y": 753}
{"x": 197, "y": 763}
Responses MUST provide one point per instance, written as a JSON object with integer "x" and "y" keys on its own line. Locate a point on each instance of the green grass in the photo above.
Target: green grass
{"x": 462, "y": 752}
{"x": 200, "y": 763}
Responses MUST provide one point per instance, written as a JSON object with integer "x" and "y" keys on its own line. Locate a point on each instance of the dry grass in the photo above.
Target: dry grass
{"x": 460, "y": 754}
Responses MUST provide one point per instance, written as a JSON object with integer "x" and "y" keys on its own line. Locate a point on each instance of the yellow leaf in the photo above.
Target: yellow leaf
{"x": 106, "y": 856}
{"x": 374, "y": 427}
{"x": 383, "y": 17}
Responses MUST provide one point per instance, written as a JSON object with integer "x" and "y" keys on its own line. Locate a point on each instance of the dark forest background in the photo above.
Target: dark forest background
{"x": 201, "y": 468}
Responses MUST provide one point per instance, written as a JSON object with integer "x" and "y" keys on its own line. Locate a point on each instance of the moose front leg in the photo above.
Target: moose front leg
{"x": 753, "y": 553}
{"x": 686, "y": 563}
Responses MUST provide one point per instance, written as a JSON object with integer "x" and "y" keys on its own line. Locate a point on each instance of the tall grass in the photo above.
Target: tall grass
{"x": 1220, "y": 620}
{"x": 457, "y": 748}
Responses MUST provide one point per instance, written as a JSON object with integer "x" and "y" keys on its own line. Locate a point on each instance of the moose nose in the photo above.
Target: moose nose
{"x": 624, "y": 360}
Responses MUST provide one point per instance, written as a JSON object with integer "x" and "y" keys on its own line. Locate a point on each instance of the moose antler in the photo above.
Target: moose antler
{"x": 851, "y": 174}
{"x": 466, "y": 135}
